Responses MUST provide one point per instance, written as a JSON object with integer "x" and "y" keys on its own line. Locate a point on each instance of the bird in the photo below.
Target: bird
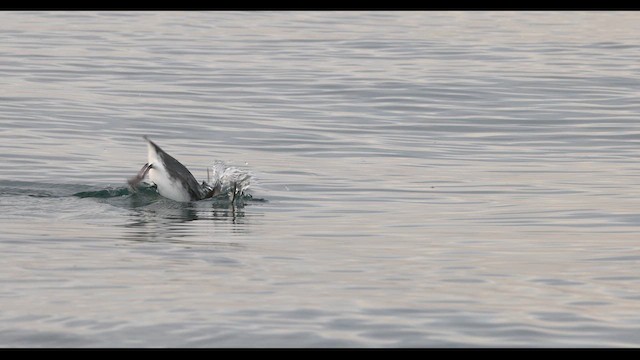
{"x": 172, "y": 179}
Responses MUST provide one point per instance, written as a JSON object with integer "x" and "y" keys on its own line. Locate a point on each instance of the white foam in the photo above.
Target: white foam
{"x": 231, "y": 180}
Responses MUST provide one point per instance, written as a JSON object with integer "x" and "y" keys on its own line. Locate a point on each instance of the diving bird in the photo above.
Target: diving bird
{"x": 172, "y": 179}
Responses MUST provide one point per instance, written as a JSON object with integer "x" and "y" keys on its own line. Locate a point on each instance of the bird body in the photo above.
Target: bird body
{"x": 172, "y": 179}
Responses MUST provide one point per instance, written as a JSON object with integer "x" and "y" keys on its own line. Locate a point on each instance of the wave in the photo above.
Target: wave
{"x": 232, "y": 183}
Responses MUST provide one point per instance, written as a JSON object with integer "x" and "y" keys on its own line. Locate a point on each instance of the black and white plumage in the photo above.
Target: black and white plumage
{"x": 172, "y": 179}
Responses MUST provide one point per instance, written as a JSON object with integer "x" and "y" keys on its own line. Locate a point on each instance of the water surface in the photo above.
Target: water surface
{"x": 421, "y": 179}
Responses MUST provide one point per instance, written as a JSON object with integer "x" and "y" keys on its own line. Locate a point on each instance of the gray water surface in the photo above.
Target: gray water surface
{"x": 421, "y": 179}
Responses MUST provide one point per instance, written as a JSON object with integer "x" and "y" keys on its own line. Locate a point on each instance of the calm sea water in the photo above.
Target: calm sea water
{"x": 421, "y": 179}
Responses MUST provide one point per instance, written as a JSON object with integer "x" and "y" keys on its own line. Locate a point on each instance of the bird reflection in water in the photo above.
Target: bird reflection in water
{"x": 154, "y": 218}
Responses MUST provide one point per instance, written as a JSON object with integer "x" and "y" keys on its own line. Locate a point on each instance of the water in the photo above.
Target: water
{"x": 421, "y": 179}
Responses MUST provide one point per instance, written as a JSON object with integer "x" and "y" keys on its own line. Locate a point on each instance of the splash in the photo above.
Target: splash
{"x": 229, "y": 185}
{"x": 227, "y": 180}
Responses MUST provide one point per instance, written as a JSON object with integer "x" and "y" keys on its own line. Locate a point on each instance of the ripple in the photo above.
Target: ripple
{"x": 441, "y": 179}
